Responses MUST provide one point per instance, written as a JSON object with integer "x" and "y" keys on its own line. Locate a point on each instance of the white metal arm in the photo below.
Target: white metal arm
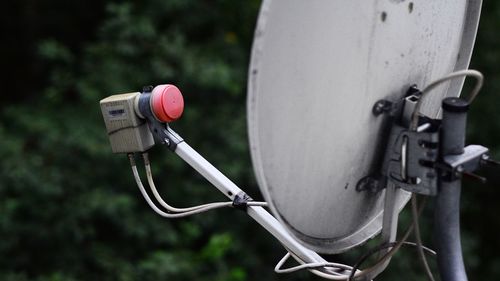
{"x": 259, "y": 214}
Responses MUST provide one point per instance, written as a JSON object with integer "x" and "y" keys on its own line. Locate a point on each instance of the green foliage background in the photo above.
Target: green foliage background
{"x": 69, "y": 209}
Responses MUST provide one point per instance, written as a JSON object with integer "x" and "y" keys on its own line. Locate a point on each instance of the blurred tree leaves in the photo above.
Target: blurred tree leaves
{"x": 68, "y": 207}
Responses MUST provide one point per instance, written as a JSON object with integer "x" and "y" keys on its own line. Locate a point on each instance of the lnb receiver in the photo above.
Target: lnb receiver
{"x": 125, "y": 116}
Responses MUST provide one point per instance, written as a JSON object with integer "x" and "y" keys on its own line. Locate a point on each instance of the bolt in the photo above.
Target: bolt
{"x": 486, "y": 160}
{"x": 476, "y": 177}
{"x": 381, "y": 106}
{"x": 459, "y": 170}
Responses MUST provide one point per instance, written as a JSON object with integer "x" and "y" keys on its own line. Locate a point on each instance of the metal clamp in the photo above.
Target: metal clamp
{"x": 410, "y": 160}
{"x": 161, "y": 131}
{"x": 241, "y": 200}
{"x": 466, "y": 163}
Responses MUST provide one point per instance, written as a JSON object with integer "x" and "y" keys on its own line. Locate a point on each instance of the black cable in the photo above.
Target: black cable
{"x": 394, "y": 245}
{"x": 380, "y": 248}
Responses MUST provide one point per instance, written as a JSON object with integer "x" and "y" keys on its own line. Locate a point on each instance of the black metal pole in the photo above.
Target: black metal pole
{"x": 447, "y": 211}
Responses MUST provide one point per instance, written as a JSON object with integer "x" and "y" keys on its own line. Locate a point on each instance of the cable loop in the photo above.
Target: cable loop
{"x": 467, "y": 72}
{"x": 173, "y": 212}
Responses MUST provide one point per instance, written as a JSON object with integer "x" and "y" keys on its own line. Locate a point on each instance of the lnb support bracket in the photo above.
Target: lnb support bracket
{"x": 162, "y": 133}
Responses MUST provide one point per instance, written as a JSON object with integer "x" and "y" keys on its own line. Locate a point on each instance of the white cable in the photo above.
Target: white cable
{"x": 257, "y": 204}
{"x": 343, "y": 276}
{"x": 278, "y": 268}
{"x": 326, "y": 265}
{"x": 195, "y": 210}
{"x": 152, "y": 205}
{"x": 169, "y": 207}
{"x": 311, "y": 267}
{"x": 208, "y": 206}
{"x": 358, "y": 274}
{"x": 420, "y": 247}
{"x": 468, "y": 72}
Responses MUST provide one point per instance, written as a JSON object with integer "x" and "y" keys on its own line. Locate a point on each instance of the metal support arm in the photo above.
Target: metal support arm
{"x": 259, "y": 214}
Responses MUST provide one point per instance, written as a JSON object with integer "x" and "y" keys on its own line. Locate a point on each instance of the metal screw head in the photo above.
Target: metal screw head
{"x": 381, "y": 106}
{"x": 167, "y": 141}
{"x": 458, "y": 171}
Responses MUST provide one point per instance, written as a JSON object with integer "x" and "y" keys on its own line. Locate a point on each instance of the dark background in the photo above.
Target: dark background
{"x": 69, "y": 209}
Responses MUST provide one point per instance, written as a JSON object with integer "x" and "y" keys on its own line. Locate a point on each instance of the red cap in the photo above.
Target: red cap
{"x": 167, "y": 103}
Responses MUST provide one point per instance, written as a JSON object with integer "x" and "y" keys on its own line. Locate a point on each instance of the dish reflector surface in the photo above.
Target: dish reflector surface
{"x": 317, "y": 69}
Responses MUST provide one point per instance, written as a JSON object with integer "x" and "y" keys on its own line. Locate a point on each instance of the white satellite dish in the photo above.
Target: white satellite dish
{"x": 317, "y": 69}
{"x": 333, "y": 172}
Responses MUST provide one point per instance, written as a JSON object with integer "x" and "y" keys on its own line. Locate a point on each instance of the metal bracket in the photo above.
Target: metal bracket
{"x": 410, "y": 160}
{"x": 466, "y": 163}
{"x": 161, "y": 131}
{"x": 401, "y": 109}
{"x": 413, "y": 160}
{"x": 410, "y": 157}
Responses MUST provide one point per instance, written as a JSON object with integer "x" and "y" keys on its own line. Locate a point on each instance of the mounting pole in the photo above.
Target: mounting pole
{"x": 447, "y": 210}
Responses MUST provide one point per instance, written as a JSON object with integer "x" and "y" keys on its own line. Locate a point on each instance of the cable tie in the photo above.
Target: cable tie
{"x": 241, "y": 200}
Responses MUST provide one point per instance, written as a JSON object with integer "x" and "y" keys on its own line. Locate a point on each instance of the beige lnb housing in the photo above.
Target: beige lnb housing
{"x": 127, "y": 132}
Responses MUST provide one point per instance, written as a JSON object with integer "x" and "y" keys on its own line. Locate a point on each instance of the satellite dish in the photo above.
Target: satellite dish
{"x": 317, "y": 69}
